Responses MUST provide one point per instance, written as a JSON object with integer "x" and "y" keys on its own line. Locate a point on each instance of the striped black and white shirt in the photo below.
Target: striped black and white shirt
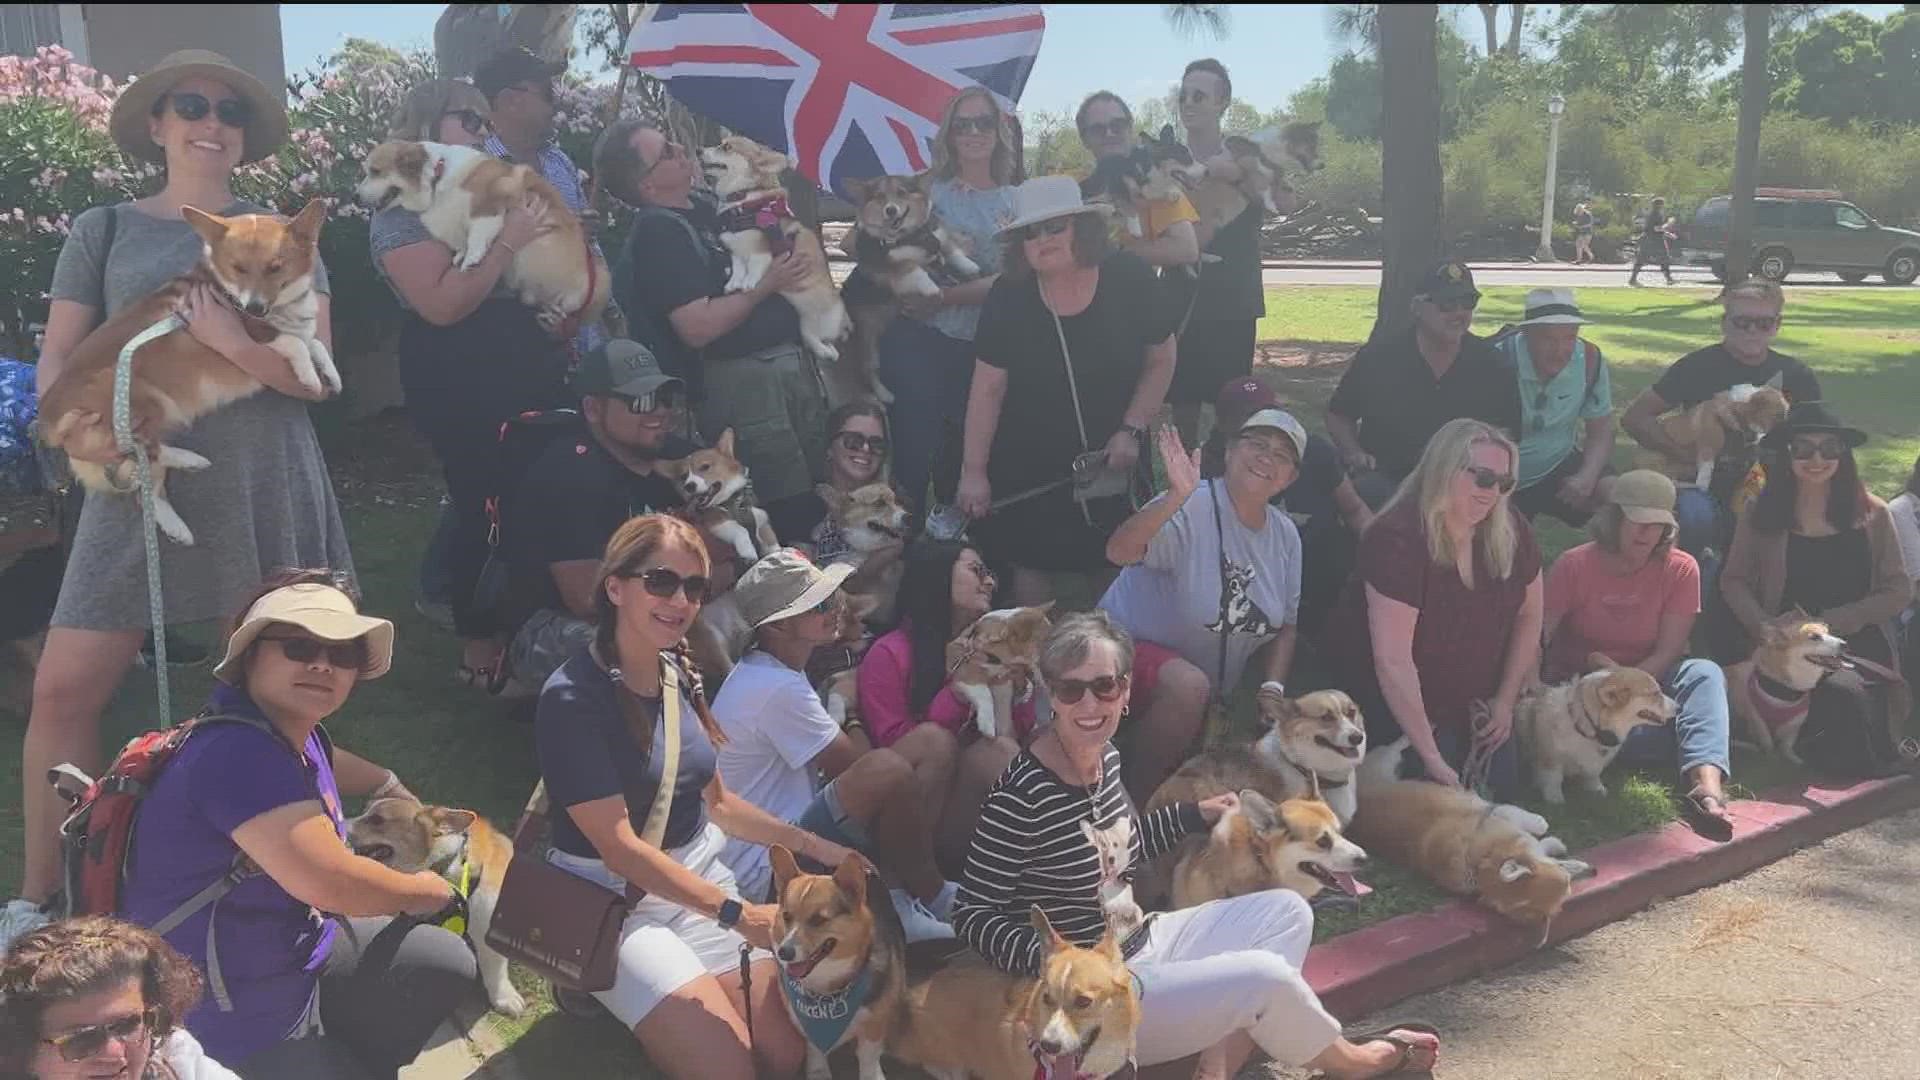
{"x": 1030, "y": 849}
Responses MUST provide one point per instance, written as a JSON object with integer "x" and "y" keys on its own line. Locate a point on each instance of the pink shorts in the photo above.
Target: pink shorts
{"x": 1148, "y": 659}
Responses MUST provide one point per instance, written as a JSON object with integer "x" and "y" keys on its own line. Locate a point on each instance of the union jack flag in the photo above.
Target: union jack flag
{"x": 847, "y": 90}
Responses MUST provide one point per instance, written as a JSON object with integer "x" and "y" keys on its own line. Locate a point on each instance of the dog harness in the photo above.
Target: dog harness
{"x": 457, "y": 923}
{"x": 1777, "y": 705}
{"x": 765, "y": 214}
{"x": 825, "y": 1018}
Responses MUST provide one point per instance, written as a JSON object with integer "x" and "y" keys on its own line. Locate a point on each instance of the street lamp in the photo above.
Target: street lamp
{"x": 1555, "y": 106}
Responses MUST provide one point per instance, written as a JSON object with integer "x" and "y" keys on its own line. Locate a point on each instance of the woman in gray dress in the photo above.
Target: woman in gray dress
{"x": 266, "y": 503}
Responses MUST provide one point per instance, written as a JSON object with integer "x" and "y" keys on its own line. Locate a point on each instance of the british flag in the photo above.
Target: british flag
{"x": 847, "y": 90}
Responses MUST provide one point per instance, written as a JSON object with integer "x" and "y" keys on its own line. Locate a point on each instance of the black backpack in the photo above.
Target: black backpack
{"x": 648, "y": 326}
{"x": 521, "y": 442}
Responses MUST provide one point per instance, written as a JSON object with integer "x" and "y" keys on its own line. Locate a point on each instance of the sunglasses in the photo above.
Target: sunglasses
{"x": 305, "y": 650}
{"x": 1113, "y": 128}
{"x": 663, "y": 583}
{"x": 76, "y": 1046}
{"x": 975, "y": 125}
{"x": 1046, "y": 228}
{"x": 978, "y": 570}
{"x": 1753, "y": 323}
{"x": 853, "y": 442}
{"x": 189, "y": 106}
{"x": 666, "y": 397}
{"x": 1453, "y": 304}
{"x": 1070, "y": 691}
{"x": 1484, "y": 478}
{"x": 1826, "y": 448}
{"x": 1195, "y": 97}
{"x": 471, "y": 121}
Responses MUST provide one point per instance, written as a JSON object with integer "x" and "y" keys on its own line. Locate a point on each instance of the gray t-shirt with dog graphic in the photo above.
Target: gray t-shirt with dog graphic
{"x": 1176, "y": 596}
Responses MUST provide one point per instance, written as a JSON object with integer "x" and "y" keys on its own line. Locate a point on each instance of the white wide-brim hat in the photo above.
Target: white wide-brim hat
{"x": 1044, "y": 198}
{"x": 1552, "y": 307}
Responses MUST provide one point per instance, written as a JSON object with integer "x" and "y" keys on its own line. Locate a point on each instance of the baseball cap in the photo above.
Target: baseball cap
{"x": 1646, "y": 497}
{"x": 1244, "y": 395}
{"x": 785, "y": 583}
{"x": 622, "y": 367}
{"x": 510, "y": 67}
{"x": 1451, "y": 280}
{"x": 1284, "y": 422}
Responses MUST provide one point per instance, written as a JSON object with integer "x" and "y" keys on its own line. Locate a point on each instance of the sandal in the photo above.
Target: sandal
{"x": 1698, "y": 807}
{"x": 1403, "y": 1065}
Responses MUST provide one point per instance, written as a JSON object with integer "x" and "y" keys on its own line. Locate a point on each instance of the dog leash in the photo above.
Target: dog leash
{"x": 143, "y": 479}
{"x": 746, "y": 987}
{"x": 1473, "y": 775}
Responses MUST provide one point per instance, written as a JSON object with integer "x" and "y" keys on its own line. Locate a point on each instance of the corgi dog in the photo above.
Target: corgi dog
{"x": 460, "y": 846}
{"x": 873, "y": 522}
{"x": 1263, "y": 161}
{"x": 1114, "y": 845}
{"x": 263, "y": 266}
{"x": 1148, "y": 173}
{"x": 1257, "y": 845}
{"x": 1771, "y": 691}
{"x": 840, "y": 691}
{"x": 1000, "y": 649}
{"x": 1501, "y": 855}
{"x": 896, "y": 238}
{"x": 1077, "y": 1020}
{"x": 1740, "y": 414}
{"x": 756, "y": 224}
{"x": 1312, "y": 745}
{"x": 462, "y": 196}
{"x": 1576, "y": 729}
{"x": 842, "y": 961}
{"x": 719, "y": 501}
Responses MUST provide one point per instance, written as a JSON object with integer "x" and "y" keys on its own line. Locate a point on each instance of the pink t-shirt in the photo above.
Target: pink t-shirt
{"x": 1604, "y": 612}
{"x": 885, "y": 682}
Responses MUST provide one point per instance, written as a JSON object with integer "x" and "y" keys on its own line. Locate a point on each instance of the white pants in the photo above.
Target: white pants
{"x": 1227, "y": 966}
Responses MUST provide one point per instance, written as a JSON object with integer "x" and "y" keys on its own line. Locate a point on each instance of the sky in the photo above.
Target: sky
{"x": 1272, "y": 50}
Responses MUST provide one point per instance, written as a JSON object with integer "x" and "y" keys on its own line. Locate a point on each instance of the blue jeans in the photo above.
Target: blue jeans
{"x": 1698, "y": 513}
{"x": 1699, "y": 732}
{"x": 929, "y": 374}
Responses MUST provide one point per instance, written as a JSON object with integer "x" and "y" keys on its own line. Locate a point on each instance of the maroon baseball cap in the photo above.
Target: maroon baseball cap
{"x": 1244, "y": 395}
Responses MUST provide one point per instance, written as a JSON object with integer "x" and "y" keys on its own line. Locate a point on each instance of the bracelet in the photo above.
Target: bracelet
{"x": 1276, "y": 686}
{"x": 389, "y": 787}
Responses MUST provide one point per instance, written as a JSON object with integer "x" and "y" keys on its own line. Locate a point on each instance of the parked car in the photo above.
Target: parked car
{"x": 1805, "y": 230}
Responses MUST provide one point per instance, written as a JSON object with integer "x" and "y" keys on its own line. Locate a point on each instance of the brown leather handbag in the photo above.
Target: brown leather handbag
{"x": 563, "y": 927}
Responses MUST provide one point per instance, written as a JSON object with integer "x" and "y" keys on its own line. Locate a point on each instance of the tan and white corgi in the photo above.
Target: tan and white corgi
{"x": 1771, "y": 691}
{"x": 873, "y": 521}
{"x": 462, "y": 196}
{"x": 264, "y": 266}
{"x": 756, "y": 224}
{"x": 460, "y": 846}
{"x": 1263, "y": 161}
{"x": 843, "y": 965}
{"x": 985, "y": 662}
{"x": 1702, "y": 432}
{"x": 1311, "y": 747}
{"x": 896, "y": 236}
{"x": 1296, "y": 845}
{"x": 719, "y": 502}
{"x": 1574, "y": 730}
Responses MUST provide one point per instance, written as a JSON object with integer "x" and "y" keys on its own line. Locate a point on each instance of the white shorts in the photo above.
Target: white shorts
{"x": 663, "y": 946}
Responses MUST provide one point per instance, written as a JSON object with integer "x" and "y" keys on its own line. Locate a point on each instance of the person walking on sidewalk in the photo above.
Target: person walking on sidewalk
{"x": 1656, "y": 235}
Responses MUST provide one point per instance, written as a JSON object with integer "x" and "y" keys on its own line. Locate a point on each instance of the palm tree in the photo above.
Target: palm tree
{"x": 1410, "y": 156}
{"x": 1198, "y": 20}
{"x": 1746, "y": 145}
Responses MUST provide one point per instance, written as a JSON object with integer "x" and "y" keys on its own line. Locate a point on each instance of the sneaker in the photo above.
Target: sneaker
{"x": 919, "y": 923}
{"x": 942, "y": 903}
{"x": 437, "y": 612}
{"x": 21, "y": 915}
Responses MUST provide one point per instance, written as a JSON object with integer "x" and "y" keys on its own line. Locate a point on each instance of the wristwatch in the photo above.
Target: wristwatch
{"x": 730, "y": 912}
{"x": 1138, "y": 433}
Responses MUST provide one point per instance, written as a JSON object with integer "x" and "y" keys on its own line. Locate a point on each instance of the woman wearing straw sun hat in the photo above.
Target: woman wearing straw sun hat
{"x": 265, "y": 502}
{"x": 1075, "y": 353}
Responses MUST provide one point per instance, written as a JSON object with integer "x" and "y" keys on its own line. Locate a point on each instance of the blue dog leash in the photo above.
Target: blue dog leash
{"x": 143, "y": 479}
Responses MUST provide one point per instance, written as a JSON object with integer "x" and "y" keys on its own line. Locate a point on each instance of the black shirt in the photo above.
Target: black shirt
{"x": 1703, "y": 373}
{"x": 1826, "y": 572}
{"x": 667, "y": 271}
{"x": 1655, "y": 219}
{"x": 1231, "y": 288}
{"x": 1310, "y": 494}
{"x": 1392, "y": 394}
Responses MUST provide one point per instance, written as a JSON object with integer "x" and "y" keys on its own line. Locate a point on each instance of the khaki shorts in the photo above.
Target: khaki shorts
{"x": 776, "y": 405}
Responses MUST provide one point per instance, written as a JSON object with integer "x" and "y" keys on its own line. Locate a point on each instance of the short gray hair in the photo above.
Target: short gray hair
{"x": 1073, "y": 639}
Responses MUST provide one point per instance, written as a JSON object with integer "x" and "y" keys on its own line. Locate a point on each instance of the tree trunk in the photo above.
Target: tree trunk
{"x": 1490, "y": 12}
{"x": 1409, "y": 159}
{"x": 1513, "y": 29}
{"x": 1746, "y": 144}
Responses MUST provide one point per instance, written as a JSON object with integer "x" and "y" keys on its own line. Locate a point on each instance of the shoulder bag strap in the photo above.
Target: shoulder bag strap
{"x": 1220, "y": 674}
{"x": 1073, "y": 388}
{"x": 656, "y": 826}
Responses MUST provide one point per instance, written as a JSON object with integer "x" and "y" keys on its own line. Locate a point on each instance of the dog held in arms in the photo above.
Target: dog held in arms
{"x": 1000, "y": 649}
{"x": 1263, "y": 162}
{"x": 896, "y": 240}
{"x": 1742, "y": 414}
{"x": 262, "y": 265}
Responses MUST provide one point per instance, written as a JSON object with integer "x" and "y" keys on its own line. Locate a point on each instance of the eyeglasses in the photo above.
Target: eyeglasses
{"x": 663, "y": 583}
{"x": 1753, "y": 323}
{"x": 76, "y": 1046}
{"x": 1455, "y": 303}
{"x": 305, "y": 650}
{"x": 1046, "y": 228}
{"x": 1113, "y": 128}
{"x": 829, "y": 606}
{"x": 978, "y": 570}
{"x": 668, "y": 152}
{"x": 1484, "y": 478}
{"x": 471, "y": 121}
{"x": 1804, "y": 450}
{"x": 853, "y": 442}
{"x": 640, "y": 404}
{"x": 1267, "y": 448}
{"x": 1070, "y": 691}
{"x": 233, "y": 112}
{"x": 975, "y": 125}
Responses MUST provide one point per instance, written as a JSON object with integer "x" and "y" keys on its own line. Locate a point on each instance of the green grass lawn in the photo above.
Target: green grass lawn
{"x": 455, "y": 745}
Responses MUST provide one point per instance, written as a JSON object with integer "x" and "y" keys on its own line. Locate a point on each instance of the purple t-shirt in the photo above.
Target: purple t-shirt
{"x": 271, "y": 945}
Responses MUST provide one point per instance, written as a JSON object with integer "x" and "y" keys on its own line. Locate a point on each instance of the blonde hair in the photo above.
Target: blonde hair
{"x": 1755, "y": 289}
{"x": 946, "y": 164}
{"x": 418, "y": 117}
{"x": 1430, "y": 485}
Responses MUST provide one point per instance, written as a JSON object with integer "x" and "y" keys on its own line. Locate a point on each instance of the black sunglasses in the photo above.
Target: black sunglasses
{"x": 233, "y": 112}
{"x": 666, "y": 397}
{"x": 1753, "y": 322}
{"x": 1046, "y": 228}
{"x": 1484, "y": 478}
{"x": 853, "y": 442}
{"x": 1119, "y": 125}
{"x": 975, "y": 125}
{"x": 305, "y": 650}
{"x": 1195, "y": 96}
{"x": 1070, "y": 691}
{"x": 1826, "y": 448}
{"x": 1453, "y": 304}
{"x": 77, "y": 1046}
{"x": 663, "y": 583}
{"x": 471, "y": 121}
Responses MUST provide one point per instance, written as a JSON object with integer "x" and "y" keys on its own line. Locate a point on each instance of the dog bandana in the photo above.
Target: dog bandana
{"x": 825, "y": 1018}
{"x": 762, "y": 214}
{"x": 1775, "y": 711}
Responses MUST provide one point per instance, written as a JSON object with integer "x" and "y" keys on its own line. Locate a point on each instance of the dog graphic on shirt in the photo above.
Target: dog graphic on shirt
{"x": 1114, "y": 845}
{"x": 1238, "y": 613}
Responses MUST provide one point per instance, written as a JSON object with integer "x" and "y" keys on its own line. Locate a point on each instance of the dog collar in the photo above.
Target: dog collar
{"x": 1309, "y": 774}
{"x": 1592, "y": 735}
{"x": 1776, "y": 704}
{"x": 825, "y": 1018}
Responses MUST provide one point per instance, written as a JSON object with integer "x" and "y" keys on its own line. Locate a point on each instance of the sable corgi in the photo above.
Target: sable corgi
{"x": 264, "y": 267}
{"x": 1263, "y": 161}
{"x": 460, "y": 846}
{"x": 1149, "y": 173}
{"x": 1741, "y": 414}
{"x": 719, "y": 501}
{"x": 874, "y": 524}
{"x": 1577, "y": 728}
{"x": 1771, "y": 691}
{"x": 1077, "y": 1020}
{"x": 983, "y": 664}
{"x": 842, "y": 961}
{"x": 1311, "y": 747}
{"x": 462, "y": 196}
{"x": 756, "y": 224}
{"x": 896, "y": 237}
{"x": 1499, "y": 854}
{"x": 1296, "y": 845}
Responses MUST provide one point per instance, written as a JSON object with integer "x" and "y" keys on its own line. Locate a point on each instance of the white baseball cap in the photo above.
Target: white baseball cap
{"x": 1282, "y": 421}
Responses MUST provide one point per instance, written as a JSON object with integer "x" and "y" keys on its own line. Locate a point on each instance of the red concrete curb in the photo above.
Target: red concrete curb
{"x": 1363, "y": 972}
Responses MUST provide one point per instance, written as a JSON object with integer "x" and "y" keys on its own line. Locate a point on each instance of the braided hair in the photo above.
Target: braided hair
{"x": 632, "y": 545}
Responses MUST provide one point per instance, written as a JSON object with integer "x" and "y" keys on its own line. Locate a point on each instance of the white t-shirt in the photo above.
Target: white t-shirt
{"x": 775, "y": 726}
{"x": 1175, "y": 596}
{"x": 182, "y": 1053}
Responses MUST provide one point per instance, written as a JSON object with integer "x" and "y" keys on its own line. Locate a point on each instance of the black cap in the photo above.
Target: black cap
{"x": 510, "y": 67}
{"x": 1812, "y": 418}
{"x": 1450, "y": 280}
{"x": 622, "y": 367}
